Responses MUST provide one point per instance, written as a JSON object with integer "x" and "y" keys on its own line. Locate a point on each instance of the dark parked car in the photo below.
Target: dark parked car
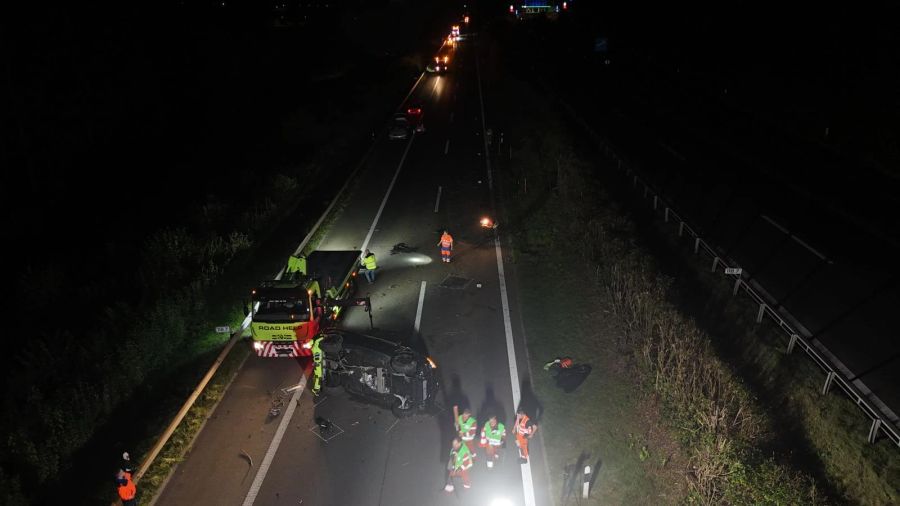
{"x": 380, "y": 371}
{"x": 399, "y": 127}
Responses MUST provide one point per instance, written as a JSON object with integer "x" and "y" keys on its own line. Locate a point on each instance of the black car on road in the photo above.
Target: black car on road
{"x": 380, "y": 371}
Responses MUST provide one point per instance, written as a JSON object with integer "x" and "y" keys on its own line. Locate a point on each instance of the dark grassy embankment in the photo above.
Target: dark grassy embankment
{"x": 138, "y": 288}
{"x": 667, "y": 417}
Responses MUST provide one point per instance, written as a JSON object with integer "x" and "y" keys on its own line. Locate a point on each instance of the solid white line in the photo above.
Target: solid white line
{"x": 419, "y": 307}
{"x": 527, "y": 481}
{"x": 386, "y": 195}
{"x": 487, "y": 158}
{"x": 437, "y": 201}
{"x": 273, "y": 446}
{"x": 411, "y": 90}
{"x": 447, "y": 146}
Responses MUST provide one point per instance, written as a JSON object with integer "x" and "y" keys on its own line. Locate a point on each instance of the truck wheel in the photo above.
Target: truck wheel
{"x": 332, "y": 343}
{"x": 404, "y": 363}
{"x": 399, "y": 412}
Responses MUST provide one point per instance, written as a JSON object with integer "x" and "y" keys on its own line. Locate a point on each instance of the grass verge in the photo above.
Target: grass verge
{"x": 183, "y": 437}
{"x": 601, "y": 297}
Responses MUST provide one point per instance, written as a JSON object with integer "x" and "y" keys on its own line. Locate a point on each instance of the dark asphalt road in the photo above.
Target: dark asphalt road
{"x": 373, "y": 458}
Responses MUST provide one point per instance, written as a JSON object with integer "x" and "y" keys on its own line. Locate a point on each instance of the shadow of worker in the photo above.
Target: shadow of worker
{"x": 454, "y": 396}
{"x": 529, "y": 401}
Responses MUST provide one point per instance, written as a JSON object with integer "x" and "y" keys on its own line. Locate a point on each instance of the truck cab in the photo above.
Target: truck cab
{"x": 288, "y": 313}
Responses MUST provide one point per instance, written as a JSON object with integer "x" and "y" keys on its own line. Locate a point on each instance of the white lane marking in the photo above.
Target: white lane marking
{"x": 527, "y": 481}
{"x": 411, "y": 90}
{"x": 419, "y": 307}
{"x": 487, "y": 159}
{"x": 447, "y": 146}
{"x": 451, "y": 117}
{"x": 437, "y": 201}
{"x": 273, "y": 446}
{"x": 386, "y": 195}
{"x": 795, "y": 238}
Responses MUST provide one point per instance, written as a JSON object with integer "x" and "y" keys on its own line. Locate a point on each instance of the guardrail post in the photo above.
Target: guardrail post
{"x": 680, "y": 229}
{"x": 792, "y": 343}
{"x": 655, "y": 199}
{"x": 873, "y": 431}
{"x": 829, "y": 379}
{"x": 696, "y": 245}
{"x": 762, "y": 311}
{"x": 666, "y": 215}
{"x": 715, "y": 264}
{"x": 737, "y": 286}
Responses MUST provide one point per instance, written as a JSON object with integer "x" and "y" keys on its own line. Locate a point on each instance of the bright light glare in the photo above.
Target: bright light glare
{"x": 501, "y": 501}
{"x": 418, "y": 259}
{"x": 431, "y": 362}
{"x": 257, "y": 345}
{"x": 307, "y": 345}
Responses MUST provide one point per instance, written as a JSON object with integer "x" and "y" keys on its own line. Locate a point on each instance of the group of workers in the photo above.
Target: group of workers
{"x": 493, "y": 438}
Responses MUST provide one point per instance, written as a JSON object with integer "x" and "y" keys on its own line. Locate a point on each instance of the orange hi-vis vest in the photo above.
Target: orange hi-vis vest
{"x": 522, "y": 425}
{"x": 446, "y": 241}
{"x": 128, "y": 490}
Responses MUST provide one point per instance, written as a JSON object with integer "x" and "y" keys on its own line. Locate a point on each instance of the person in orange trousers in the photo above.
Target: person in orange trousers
{"x": 446, "y": 244}
{"x": 524, "y": 430}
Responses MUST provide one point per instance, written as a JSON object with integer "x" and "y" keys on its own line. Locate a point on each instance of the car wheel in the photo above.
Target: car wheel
{"x": 399, "y": 412}
{"x": 332, "y": 379}
{"x": 404, "y": 363}
{"x": 333, "y": 343}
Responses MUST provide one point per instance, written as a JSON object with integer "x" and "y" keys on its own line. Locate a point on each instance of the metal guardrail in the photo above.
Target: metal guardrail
{"x": 884, "y": 421}
{"x": 164, "y": 437}
{"x": 835, "y": 371}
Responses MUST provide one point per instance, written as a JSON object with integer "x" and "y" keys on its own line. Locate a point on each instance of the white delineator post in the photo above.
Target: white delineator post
{"x": 586, "y": 486}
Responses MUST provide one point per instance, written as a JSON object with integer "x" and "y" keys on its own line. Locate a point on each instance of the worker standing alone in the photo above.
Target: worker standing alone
{"x": 493, "y": 435}
{"x": 317, "y": 364}
{"x": 368, "y": 263}
{"x": 446, "y": 244}
{"x": 460, "y": 462}
{"x": 126, "y": 488}
{"x": 525, "y": 429}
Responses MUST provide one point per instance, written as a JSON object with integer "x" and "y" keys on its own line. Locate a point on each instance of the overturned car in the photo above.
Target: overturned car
{"x": 380, "y": 371}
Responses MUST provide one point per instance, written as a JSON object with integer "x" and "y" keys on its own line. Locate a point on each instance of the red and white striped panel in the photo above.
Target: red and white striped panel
{"x": 273, "y": 350}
